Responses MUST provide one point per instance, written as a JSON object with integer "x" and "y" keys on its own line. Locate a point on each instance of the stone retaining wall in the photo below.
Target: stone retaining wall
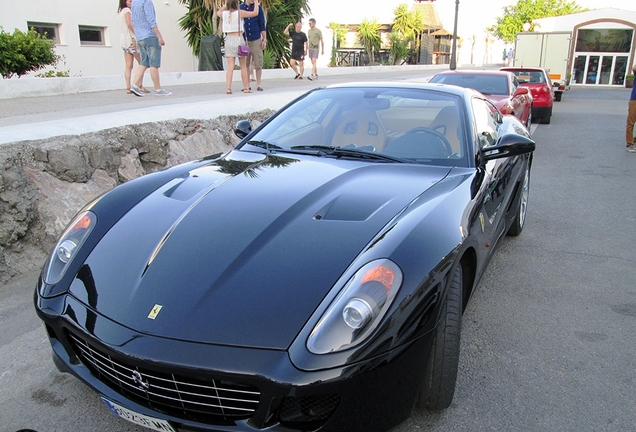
{"x": 44, "y": 183}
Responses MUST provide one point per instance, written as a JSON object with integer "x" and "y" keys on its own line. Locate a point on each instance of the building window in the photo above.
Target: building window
{"x": 48, "y": 30}
{"x": 91, "y": 35}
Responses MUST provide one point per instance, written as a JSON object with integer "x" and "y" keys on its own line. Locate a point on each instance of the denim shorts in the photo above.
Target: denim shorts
{"x": 150, "y": 51}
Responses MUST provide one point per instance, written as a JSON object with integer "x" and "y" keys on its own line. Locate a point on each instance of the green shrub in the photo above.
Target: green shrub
{"x": 399, "y": 48}
{"x": 269, "y": 59}
{"x": 53, "y": 74}
{"x": 21, "y": 53}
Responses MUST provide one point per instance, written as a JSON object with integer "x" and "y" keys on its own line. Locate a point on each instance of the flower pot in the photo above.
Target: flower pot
{"x": 629, "y": 82}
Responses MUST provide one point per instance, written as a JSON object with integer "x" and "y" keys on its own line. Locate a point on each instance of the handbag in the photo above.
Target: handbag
{"x": 244, "y": 49}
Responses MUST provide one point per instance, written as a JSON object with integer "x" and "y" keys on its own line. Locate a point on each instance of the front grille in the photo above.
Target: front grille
{"x": 208, "y": 401}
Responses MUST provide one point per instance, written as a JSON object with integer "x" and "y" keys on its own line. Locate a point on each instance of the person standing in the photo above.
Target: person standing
{"x": 256, "y": 35}
{"x": 315, "y": 45}
{"x": 511, "y": 54}
{"x": 631, "y": 118}
{"x": 128, "y": 42}
{"x": 299, "y": 48}
{"x": 232, "y": 22}
{"x": 149, "y": 42}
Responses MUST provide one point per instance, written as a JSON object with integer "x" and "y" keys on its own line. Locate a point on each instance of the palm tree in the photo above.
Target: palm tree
{"x": 201, "y": 21}
{"x": 369, "y": 37}
{"x": 399, "y": 48}
{"x": 408, "y": 25}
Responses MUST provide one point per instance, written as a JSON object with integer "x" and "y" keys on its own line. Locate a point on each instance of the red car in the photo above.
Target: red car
{"x": 538, "y": 81}
{"x": 502, "y": 88}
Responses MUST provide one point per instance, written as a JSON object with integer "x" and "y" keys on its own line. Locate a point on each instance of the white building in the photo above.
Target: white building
{"x": 87, "y": 33}
{"x": 602, "y": 44}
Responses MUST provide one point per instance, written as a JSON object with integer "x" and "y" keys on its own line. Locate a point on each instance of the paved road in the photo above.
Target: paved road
{"x": 548, "y": 338}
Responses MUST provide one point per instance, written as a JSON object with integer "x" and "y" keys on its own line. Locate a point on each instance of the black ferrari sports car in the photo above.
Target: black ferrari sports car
{"x": 313, "y": 278}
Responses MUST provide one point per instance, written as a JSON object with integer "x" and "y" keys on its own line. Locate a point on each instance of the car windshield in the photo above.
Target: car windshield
{"x": 483, "y": 83}
{"x": 374, "y": 124}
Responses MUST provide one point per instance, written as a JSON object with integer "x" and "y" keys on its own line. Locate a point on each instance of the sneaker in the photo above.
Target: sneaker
{"x": 297, "y": 75}
{"x": 631, "y": 149}
{"x": 300, "y": 77}
{"x": 310, "y": 78}
{"x": 162, "y": 92}
{"x": 136, "y": 90}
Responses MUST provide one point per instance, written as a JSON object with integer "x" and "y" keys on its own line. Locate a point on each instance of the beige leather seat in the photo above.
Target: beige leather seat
{"x": 447, "y": 123}
{"x": 361, "y": 127}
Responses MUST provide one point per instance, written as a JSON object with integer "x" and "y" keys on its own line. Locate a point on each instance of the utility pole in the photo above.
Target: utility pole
{"x": 453, "y": 60}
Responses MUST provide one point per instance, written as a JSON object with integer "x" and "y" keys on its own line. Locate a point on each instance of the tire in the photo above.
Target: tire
{"x": 522, "y": 208}
{"x": 557, "y": 96}
{"x": 440, "y": 373}
{"x": 529, "y": 120}
{"x": 546, "y": 119}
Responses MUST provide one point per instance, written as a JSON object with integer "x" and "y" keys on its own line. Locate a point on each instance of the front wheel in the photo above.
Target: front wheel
{"x": 440, "y": 374}
{"x": 522, "y": 208}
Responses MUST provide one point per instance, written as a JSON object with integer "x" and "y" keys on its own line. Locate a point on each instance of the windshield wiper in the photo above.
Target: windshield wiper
{"x": 347, "y": 152}
{"x": 264, "y": 144}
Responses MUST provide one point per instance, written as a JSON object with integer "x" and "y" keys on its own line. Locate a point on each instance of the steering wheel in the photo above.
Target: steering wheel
{"x": 428, "y": 131}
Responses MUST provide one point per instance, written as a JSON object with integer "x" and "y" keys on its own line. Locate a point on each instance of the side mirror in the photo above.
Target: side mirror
{"x": 521, "y": 91}
{"x": 243, "y": 128}
{"x": 508, "y": 145}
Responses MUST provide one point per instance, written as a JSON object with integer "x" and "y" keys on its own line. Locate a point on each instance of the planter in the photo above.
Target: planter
{"x": 629, "y": 82}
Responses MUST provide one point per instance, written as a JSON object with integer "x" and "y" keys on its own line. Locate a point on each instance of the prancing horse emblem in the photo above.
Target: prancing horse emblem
{"x": 155, "y": 311}
{"x": 139, "y": 381}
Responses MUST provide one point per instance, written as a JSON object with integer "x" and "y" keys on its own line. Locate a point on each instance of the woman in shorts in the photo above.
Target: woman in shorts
{"x": 232, "y": 21}
{"x": 128, "y": 42}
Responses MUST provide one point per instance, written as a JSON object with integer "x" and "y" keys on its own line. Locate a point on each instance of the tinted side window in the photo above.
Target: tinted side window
{"x": 486, "y": 122}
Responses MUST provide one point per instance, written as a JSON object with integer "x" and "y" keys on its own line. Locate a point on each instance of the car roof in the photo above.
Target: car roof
{"x": 459, "y": 91}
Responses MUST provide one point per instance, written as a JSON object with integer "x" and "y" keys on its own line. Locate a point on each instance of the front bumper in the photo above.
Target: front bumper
{"x": 235, "y": 389}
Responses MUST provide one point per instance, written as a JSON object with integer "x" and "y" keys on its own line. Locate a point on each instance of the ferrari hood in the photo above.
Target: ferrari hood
{"x": 242, "y": 250}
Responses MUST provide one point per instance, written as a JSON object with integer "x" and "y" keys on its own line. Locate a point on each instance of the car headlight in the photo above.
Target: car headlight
{"x": 66, "y": 248}
{"x": 358, "y": 309}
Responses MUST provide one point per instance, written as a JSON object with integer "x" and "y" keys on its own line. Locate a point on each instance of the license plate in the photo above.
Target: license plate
{"x": 140, "y": 419}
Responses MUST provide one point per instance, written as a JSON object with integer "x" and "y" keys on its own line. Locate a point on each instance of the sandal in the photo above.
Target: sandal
{"x": 247, "y": 90}
{"x": 144, "y": 89}
{"x": 228, "y": 91}
{"x": 259, "y": 88}
{"x": 128, "y": 91}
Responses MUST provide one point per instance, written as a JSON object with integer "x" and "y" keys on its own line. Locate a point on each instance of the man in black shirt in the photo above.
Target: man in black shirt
{"x": 299, "y": 49}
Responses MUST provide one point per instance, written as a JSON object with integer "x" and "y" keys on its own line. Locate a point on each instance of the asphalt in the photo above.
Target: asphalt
{"x": 89, "y": 109}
